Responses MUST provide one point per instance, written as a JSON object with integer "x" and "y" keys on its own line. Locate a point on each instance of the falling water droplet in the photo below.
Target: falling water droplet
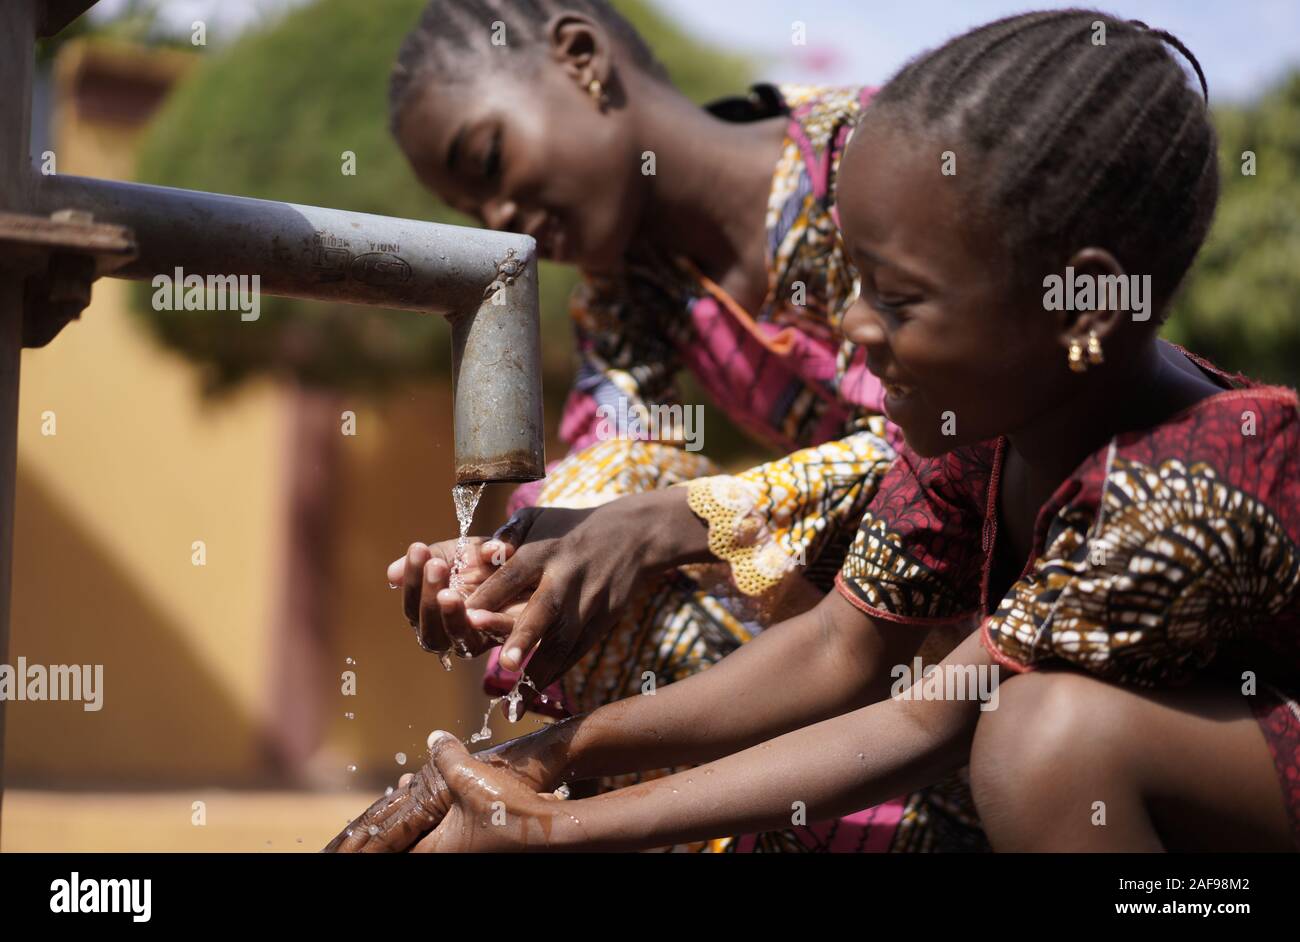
{"x": 465, "y": 498}
{"x": 352, "y": 768}
{"x": 401, "y": 758}
{"x": 350, "y": 661}
{"x": 349, "y": 716}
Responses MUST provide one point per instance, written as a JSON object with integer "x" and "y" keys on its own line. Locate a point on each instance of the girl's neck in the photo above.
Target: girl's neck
{"x": 709, "y": 192}
{"x": 1130, "y": 394}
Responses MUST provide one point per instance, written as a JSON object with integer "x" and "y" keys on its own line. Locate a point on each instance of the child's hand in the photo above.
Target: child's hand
{"x": 421, "y": 800}
{"x": 396, "y": 821}
{"x": 489, "y": 807}
{"x": 437, "y": 611}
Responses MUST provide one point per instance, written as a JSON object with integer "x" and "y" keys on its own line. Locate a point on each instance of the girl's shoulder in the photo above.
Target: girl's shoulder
{"x": 1172, "y": 548}
{"x": 1245, "y": 440}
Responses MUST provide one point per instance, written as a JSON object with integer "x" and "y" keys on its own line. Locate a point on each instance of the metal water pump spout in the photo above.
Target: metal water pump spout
{"x": 484, "y": 282}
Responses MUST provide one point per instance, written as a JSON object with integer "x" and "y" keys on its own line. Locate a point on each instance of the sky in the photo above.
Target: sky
{"x": 1243, "y": 45}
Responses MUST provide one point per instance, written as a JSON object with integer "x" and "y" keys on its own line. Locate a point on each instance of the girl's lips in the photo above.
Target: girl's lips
{"x": 899, "y": 403}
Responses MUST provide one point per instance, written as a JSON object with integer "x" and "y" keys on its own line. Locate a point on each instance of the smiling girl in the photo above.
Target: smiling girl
{"x": 707, "y": 246}
{"x": 1121, "y": 517}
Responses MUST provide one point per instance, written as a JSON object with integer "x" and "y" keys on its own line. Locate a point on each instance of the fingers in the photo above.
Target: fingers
{"x": 376, "y": 829}
{"x": 515, "y": 530}
{"x": 550, "y": 661}
{"x": 514, "y": 578}
{"x": 446, "y": 754}
{"x": 429, "y": 626}
{"x": 494, "y": 553}
{"x": 395, "y": 822}
{"x": 413, "y": 581}
{"x": 495, "y": 626}
{"x": 466, "y": 639}
{"x": 539, "y": 616}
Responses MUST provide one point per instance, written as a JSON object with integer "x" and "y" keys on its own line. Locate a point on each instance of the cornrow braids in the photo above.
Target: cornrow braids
{"x": 450, "y": 33}
{"x": 1074, "y": 143}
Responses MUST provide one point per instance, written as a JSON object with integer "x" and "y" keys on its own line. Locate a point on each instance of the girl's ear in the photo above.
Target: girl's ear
{"x": 1108, "y": 281}
{"x": 582, "y": 47}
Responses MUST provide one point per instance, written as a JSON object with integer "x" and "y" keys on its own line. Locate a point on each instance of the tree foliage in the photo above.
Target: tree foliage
{"x": 1240, "y": 304}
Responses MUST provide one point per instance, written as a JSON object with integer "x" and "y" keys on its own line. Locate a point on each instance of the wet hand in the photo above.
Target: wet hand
{"x": 490, "y": 807}
{"x": 396, "y": 821}
{"x": 580, "y": 569}
{"x": 438, "y": 612}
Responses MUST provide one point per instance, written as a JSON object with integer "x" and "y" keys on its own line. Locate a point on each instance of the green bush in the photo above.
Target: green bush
{"x": 1240, "y": 304}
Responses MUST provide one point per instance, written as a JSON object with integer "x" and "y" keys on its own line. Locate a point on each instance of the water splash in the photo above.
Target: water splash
{"x": 465, "y": 497}
{"x": 513, "y": 698}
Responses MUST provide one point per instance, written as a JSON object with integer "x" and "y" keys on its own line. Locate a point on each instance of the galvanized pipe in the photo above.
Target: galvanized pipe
{"x": 485, "y": 283}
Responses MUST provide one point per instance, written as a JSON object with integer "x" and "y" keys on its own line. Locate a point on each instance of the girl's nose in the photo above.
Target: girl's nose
{"x": 862, "y": 326}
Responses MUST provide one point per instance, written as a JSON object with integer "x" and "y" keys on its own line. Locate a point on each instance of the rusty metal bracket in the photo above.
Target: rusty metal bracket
{"x": 59, "y": 256}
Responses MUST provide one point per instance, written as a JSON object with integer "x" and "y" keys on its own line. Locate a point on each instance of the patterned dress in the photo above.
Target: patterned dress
{"x": 785, "y": 376}
{"x": 1169, "y": 555}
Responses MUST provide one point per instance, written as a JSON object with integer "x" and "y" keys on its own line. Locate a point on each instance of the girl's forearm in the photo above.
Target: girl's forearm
{"x": 822, "y": 663}
{"x": 830, "y": 769}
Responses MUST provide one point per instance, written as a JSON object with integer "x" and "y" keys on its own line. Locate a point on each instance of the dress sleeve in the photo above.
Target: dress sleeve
{"x": 768, "y": 521}
{"x": 1172, "y": 567}
{"x": 919, "y": 556}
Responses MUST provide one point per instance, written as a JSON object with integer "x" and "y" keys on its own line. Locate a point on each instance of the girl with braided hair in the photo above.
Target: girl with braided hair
{"x": 1119, "y": 517}
{"x": 707, "y": 245}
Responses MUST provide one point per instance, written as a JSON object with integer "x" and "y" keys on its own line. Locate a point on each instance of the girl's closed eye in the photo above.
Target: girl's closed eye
{"x": 887, "y": 299}
{"x": 490, "y": 162}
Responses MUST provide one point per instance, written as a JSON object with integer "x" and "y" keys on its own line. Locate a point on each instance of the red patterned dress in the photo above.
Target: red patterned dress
{"x": 1170, "y": 554}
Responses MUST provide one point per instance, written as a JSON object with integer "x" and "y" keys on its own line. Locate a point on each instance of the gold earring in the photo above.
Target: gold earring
{"x": 1094, "y": 349}
{"x": 596, "y": 91}
{"x": 1077, "y": 362}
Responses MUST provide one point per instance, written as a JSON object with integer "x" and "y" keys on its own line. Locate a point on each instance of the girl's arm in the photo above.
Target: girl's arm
{"x": 819, "y": 664}
{"x": 826, "y": 770}
{"x": 822, "y": 663}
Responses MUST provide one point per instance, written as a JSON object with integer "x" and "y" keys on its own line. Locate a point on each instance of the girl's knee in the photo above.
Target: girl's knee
{"x": 1047, "y": 727}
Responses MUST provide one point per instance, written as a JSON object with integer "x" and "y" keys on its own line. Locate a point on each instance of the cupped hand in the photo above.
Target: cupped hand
{"x": 489, "y": 807}
{"x": 397, "y": 820}
{"x": 437, "y": 611}
{"x": 580, "y": 569}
